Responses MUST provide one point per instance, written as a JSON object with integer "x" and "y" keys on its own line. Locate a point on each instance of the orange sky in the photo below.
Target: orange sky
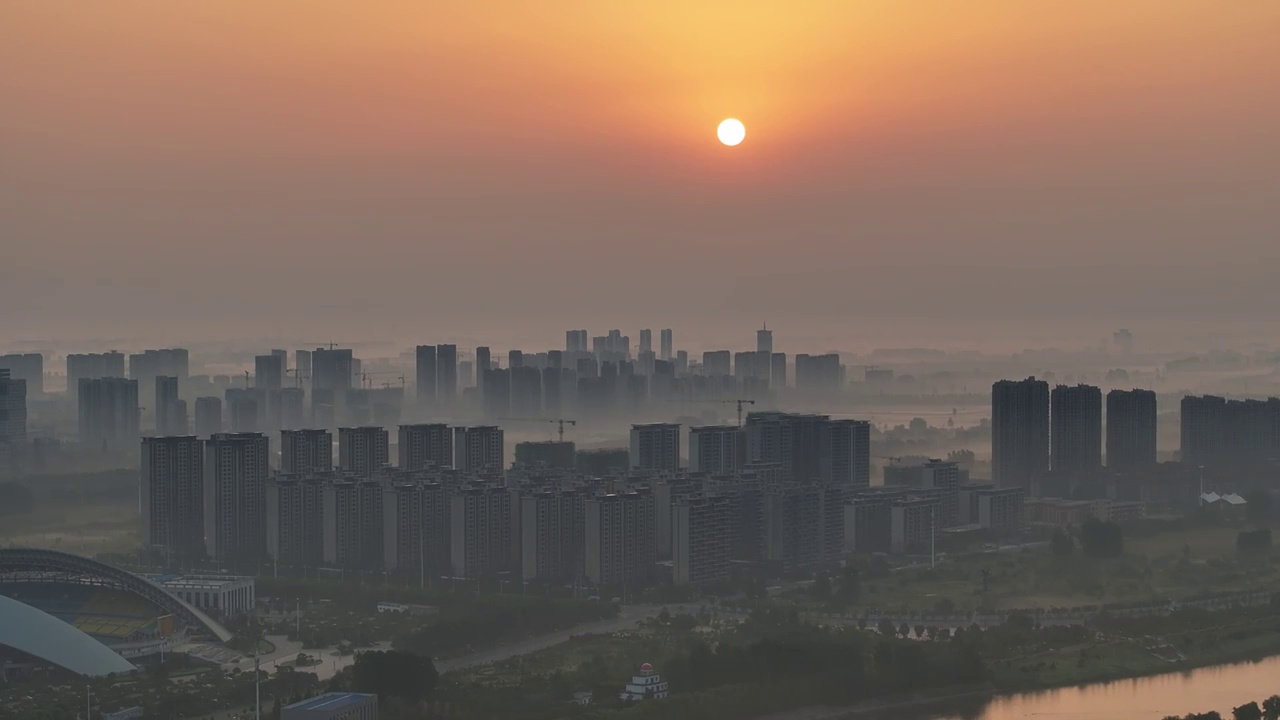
{"x": 193, "y": 160}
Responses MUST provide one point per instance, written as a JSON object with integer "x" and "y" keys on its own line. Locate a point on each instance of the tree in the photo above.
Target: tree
{"x": 1062, "y": 544}
{"x": 1257, "y": 509}
{"x": 850, "y": 585}
{"x": 392, "y": 673}
{"x": 905, "y": 630}
{"x": 1101, "y": 539}
{"x": 886, "y": 628}
{"x": 1271, "y": 708}
{"x": 1247, "y": 712}
{"x": 821, "y": 588}
{"x": 918, "y": 425}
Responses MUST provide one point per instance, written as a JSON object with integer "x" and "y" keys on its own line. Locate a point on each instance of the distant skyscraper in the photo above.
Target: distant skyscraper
{"x": 764, "y": 340}
{"x": 268, "y": 371}
{"x": 302, "y": 364}
{"x": 172, "y": 496}
{"x": 362, "y": 450}
{"x": 235, "y": 478}
{"x": 682, "y": 363}
{"x": 483, "y": 365}
{"x": 331, "y": 369}
{"x": 495, "y": 397}
{"x": 665, "y": 345}
{"x": 426, "y": 376}
{"x": 717, "y": 449}
{"x": 1019, "y": 431}
{"x": 1076, "y": 428}
{"x": 778, "y": 370}
{"x": 446, "y": 374}
{"x": 91, "y": 367}
{"x": 246, "y": 409}
{"x": 170, "y": 413}
{"x": 423, "y": 446}
{"x": 646, "y": 340}
{"x": 655, "y": 446}
{"x": 208, "y": 416}
{"x": 28, "y": 367}
{"x": 13, "y": 410}
{"x": 108, "y": 414}
{"x": 716, "y": 363}
{"x": 1131, "y": 429}
{"x": 292, "y": 408}
{"x": 526, "y": 391}
{"x": 818, "y": 373}
{"x": 306, "y": 451}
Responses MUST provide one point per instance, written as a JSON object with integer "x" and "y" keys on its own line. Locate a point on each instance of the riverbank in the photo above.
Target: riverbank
{"x": 1106, "y": 661}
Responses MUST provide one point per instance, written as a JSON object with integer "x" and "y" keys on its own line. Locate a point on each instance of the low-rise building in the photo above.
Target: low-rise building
{"x": 225, "y": 596}
{"x": 645, "y": 685}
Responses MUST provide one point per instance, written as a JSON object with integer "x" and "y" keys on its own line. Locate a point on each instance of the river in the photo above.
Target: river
{"x": 1220, "y": 688}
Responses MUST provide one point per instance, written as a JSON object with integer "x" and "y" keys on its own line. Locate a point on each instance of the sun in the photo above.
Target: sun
{"x": 731, "y": 131}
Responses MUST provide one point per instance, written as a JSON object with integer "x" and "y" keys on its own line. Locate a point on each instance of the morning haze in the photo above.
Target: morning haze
{"x": 635, "y": 359}
{"x": 405, "y": 155}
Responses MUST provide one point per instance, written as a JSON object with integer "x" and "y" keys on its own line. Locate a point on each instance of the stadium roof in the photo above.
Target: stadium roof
{"x": 29, "y": 564}
{"x": 41, "y": 635}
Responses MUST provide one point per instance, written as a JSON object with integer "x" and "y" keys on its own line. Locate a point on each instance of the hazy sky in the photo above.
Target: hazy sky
{"x": 431, "y": 170}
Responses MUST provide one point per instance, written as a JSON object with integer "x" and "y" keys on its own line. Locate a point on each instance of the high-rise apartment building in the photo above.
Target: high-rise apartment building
{"x": 665, "y": 344}
{"x": 13, "y": 410}
{"x": 845, "y": 453}
{"x": 1076, "y": 428}
{"x": 1131, "y": 429}
{"x": 292, "y": 402}
{"x": 621, "y": 547}
{"x": 1218, "y": 433}
{"x": 479, "y": 449}
{"x": 171, "y": 494}
{"x": 295, "y": 520}
{"x": 91, "y": 366}
{"x": 655, "y": 446}
{"x": 171, "y": 411}
{"x": 363, "y": 450}
{"x": 28, "y": 367}
{"x": 235, "y": 478}
{"x": 495, "y": 395}
{"x": 480, "y": 526}
{"x": 108, "y": 414}
{"x": 306, "y": 452}
{"x": 794, "y": 441}
{"x": 268, "y": 371}
{"x": 778, "y": 371}
{"x": 302, "y": 364}
{"x": 446, "y": 375}
{"x": 425, "y": 374}
{"x": 331, "y": 370}
{"x": 646, "y": 340}
{"x": 793, "y": 537}
{"x": 208, "y": 416}
{"x": 1019, "y": 431}
{"x": 483, "y": 365}
{"x": 552, "y": 527}
{"x": 701, "y": 540}
{"x": 716, "y": 363}
{"x": 819, "y": 373}
{"x": 717, "y": 449}
{"x": 526, "y": 391}
{"x": 425, "y": 446}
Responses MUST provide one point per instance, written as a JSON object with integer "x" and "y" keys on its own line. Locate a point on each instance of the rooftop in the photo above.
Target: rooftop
{"x": 330, "y": 701}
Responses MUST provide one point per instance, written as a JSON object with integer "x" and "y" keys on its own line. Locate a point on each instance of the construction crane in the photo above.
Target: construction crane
{"x": 297, "y": 376}
{"x": 559, "y": 421}
{"x": 739, "y": 402}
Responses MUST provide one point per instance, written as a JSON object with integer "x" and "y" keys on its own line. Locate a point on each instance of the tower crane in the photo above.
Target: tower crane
{"x": 739, "y": 402}
{"x": 559, "y": 421}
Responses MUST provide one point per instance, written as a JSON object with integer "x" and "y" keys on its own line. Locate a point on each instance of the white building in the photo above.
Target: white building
{"x": 225, "y": 596}
{"x": 647, "y": 685}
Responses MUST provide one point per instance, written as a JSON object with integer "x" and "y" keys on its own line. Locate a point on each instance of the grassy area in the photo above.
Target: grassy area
{"x": 1155, "y": 567}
